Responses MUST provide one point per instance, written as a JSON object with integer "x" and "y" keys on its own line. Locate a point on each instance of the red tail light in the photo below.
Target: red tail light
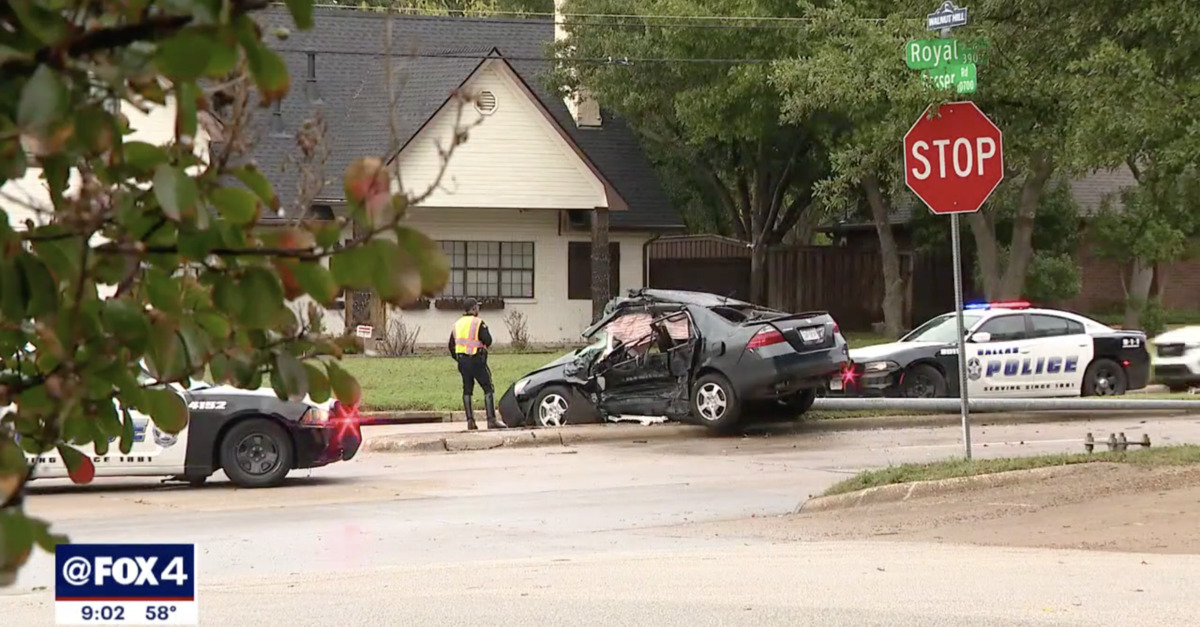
{"x": 836, "y": 329}
{"x": 766, "y": 337}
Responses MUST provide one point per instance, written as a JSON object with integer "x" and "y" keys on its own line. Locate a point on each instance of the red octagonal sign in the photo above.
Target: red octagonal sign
{"x": 955, "y": 161}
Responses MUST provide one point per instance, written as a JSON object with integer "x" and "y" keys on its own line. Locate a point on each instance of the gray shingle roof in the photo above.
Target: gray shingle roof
{"x": 349, "y": 49}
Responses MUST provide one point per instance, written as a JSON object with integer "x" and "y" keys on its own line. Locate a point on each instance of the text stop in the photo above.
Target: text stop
{"x": 965, "y": 155}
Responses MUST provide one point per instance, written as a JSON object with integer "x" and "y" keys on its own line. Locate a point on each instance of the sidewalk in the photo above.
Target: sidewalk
{"x": 453, "y": 436}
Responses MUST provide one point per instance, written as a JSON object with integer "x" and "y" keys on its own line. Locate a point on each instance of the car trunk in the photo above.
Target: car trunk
{"x": 805, "y": 332}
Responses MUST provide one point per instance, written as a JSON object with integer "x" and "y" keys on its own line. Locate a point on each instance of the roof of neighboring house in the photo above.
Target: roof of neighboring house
{"x": 1089, "y": 191}
{"x": 432, "y": 56}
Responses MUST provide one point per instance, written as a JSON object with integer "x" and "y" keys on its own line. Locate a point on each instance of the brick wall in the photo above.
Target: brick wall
{"x": 1101, "y": 290}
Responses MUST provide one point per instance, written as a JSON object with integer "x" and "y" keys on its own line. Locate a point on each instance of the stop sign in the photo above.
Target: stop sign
{"x": 953, "y": 162}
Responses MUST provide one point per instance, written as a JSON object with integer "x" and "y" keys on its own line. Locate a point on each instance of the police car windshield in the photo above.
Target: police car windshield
{"x": 941, "y": 329}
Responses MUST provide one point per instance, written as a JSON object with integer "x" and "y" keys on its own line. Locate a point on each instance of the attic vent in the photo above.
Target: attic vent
{"x": 485, "y": 103}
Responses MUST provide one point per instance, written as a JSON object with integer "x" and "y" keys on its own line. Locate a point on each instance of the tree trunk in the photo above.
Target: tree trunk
{"x": 1141, "y": 276}
{"x": 987, "y": 253}
{"x": 600, "y": 265}
{"x": 893, "y": 283}
{"x": 1020, "y": 250}
{"x": 758, "y": 275}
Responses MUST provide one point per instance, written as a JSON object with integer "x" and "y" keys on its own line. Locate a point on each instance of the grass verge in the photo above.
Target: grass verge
{"x": 1180, "y": 455}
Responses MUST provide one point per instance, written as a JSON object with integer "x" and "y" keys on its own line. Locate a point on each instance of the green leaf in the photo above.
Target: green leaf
{"x": 79, "y": 467}
{"x": 328, "y": 235}
{"x": 238, "y": 206}
{"x": 43, "y": 290}
{"x": 227, "y": 296}
{"x": 353, "y": 267}
{"x": 127, "y": 321}
{"x": 268, "y": 69}
{"x": 176, "y": 192}
{"x": 293, "y": 379}
{"x": 185, "y": 56}
{"x": 47, "y": 541}
{"x": 216, "y": 325}
{"x": 48, "y": 25}
{"x": 263, "y": 294}
{"x": 165, "y": 358}
{"x": 107, "y": 419}
{"x": 318, "y": 383}
{"x": 14, "y": 292}
{"x": 302, "y": 13}
{"x": 126, "y": 432}
{"x": 163, "y": 291}
{"x": 144, "y": 157}
{"x": 44, "y": 100}
{"x": 195, "y": 342}
{"x": 345, "y": 387}
{"x": 166, "y": 409}
{"x": 430, "y": 260}
{"x": 16, "y": 536}
{"x": 316, "y": 281}
{"x": 252, "y": 178}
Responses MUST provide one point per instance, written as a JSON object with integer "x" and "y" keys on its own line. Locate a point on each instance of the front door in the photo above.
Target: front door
{"x": 1001, "y": 366}
{"x": 649, "y": 374}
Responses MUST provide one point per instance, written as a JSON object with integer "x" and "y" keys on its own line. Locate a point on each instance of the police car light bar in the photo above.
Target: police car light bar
{"x": 1008, "y": 304}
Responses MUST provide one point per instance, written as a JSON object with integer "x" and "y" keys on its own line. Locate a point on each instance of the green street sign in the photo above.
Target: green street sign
{"x": 960, "y": 75}
{"x": 924, "y": 54}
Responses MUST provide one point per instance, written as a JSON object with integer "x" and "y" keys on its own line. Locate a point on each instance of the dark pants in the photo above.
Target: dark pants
{"x": 474, "y": 368}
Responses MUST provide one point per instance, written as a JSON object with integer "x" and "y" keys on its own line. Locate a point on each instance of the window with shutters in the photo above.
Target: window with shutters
{"x": 579, "y": 270}
{"x": 489, "y": 269}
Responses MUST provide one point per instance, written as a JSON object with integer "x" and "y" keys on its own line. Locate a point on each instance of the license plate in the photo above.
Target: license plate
{"x": 835, "y": 383}
{"x": 810, "y": 335}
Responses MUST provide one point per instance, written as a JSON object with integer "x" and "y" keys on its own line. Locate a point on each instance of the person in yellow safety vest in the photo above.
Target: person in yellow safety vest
{"x": 469, "y": 344}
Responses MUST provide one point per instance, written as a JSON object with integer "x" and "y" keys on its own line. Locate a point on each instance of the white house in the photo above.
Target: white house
{"x": 514, "y": 207}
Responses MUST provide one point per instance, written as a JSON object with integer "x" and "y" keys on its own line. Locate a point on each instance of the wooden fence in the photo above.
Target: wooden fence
{"x": 846, "y": 282}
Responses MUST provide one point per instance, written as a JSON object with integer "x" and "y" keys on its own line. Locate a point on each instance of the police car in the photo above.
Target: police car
{"x": 1177, "y": 358}
{"x": 1013, "y": 350}
{"x": 252, "y": 435}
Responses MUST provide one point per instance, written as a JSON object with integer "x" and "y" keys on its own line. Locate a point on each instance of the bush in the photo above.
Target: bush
{"x": 518, "y": 329}
{"x": 398, "y": 340}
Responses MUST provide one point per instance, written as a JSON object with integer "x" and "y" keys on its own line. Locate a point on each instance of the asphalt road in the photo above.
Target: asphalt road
{"x": 591, "y": 535}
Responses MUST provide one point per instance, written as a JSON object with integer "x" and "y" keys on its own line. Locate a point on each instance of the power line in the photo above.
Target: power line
{"x": 795, "y": 22}
{"x": 613, "y": 60}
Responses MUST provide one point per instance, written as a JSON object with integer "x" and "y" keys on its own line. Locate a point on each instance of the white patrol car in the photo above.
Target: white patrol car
{"x": 1013, "y": 350}
{"x": 254, "y": 437}
{"x": 1176, "y": 358}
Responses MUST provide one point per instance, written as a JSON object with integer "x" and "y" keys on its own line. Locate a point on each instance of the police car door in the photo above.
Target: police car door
{"x": 1063, "y": 351}
{"x": 996, "y": 367}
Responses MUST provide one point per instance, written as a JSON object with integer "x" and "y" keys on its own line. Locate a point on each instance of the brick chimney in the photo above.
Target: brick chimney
{"x": 583, "y": 107}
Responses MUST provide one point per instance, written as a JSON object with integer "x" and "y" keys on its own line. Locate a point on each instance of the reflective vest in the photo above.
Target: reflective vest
{"x": 466, "y": 335}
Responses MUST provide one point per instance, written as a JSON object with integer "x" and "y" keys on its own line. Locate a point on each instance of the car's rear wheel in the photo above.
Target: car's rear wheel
{"x": 549, "y": 408}
{"x": 257, "y": 453}
{"x": 923, "y": 381}
{"x": 1104, "y": 377}
{"x": 715, "y": 403}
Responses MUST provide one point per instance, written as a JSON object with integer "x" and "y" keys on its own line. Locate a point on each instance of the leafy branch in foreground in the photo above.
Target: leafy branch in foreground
{"x": 145, "y": 267}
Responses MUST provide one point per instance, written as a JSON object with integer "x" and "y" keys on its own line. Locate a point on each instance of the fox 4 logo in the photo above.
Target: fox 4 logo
{"x": 138, "y": 571}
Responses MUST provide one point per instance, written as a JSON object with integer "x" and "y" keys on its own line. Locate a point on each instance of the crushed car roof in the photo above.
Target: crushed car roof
{"x": 685, "y": 297}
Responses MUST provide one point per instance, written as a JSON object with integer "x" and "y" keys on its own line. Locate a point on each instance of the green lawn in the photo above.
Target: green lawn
{"x": 431, "y": 382}
{"x": 960, "y": 467}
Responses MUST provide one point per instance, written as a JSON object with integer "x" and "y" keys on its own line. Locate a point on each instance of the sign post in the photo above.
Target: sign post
{"x": 953, "y": 162}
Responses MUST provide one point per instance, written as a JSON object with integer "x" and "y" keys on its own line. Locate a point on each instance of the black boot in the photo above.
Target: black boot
{"x": 471, "y": 426}
{"x": 493, "y": 421}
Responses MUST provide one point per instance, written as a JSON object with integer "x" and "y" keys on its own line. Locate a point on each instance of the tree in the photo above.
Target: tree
{"x": 1143, "y": 113}
{"x": 197, "y": 284}
{"x": 847, "y": 53}
{"x": 1018, "y": 88}
{"x": 718, "y": 117}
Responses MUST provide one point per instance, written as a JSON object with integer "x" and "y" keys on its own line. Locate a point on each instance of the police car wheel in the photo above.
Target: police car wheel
{"x": 256, "y": 453}
{"x": 1104, "y": 377}
{"x": 923, "y": 381}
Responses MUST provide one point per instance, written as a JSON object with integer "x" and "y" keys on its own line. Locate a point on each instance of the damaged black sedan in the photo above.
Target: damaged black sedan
{"x": 690, "y": 357}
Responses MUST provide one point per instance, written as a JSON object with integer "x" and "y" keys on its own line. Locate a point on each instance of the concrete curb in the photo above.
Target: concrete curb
{"x": 918, "y": 489}
{"x": 635, "y": 433}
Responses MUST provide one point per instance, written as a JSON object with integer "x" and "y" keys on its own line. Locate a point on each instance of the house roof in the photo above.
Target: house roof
{"x": 431, "y": 57}
{"x": 1089, "y": 191}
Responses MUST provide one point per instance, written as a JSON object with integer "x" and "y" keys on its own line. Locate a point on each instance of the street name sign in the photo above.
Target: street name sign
{"x": 947, "y": 16}
{"x": 954, "y": 161}
{"x": 925, "y": 54}
{"x": 960, "y": 76}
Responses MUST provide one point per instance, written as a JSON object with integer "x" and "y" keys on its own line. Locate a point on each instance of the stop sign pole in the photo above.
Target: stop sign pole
{"x": 953, "y": 163}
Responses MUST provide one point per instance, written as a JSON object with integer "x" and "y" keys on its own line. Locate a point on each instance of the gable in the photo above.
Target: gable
{"x": 513, "y": 158}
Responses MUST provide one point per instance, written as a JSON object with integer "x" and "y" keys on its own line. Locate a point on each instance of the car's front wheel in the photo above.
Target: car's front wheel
{"x": 550, "y": 407}
{"x": 256, "y": 453}
{"x": 923, "y": 381}
{"x": 715, "y": 403}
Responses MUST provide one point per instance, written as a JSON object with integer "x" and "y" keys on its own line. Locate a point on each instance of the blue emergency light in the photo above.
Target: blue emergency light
{"x": 1009, "y": 304}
